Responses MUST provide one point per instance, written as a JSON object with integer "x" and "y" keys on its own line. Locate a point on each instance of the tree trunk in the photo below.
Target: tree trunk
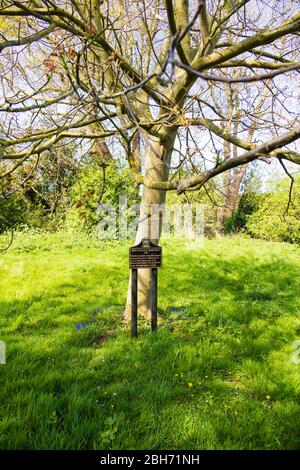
{"x": 232, "y": 185}
{"x": 234, "y": 192}
{"x": 157, "y": 161}
{"x": 224, "y": 211}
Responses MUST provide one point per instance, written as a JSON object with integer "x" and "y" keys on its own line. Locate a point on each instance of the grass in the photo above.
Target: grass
{"x": 216, "y": 375}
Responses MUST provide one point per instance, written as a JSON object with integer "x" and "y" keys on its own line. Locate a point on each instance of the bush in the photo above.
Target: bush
{"x": 234, "y": 223}
{"x": 12, "y": 213}
{"x": 95, "y": 188}
{"x": 270, "y": 220}
{"x": 248, "y": 203}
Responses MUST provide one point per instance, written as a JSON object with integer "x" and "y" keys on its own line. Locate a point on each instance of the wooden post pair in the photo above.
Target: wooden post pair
{"x": 134, "y": 300}
{"x": 145, "y": 255}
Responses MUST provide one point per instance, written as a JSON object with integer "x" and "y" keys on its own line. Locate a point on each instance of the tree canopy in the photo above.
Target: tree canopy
{"x": 149, "y": 70}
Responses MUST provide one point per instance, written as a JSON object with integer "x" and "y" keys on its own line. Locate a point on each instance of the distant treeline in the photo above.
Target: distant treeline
{"x": 68, "y": 198}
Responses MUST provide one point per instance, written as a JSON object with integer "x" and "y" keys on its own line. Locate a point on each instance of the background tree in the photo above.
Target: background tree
{"x": 111, "y": 70}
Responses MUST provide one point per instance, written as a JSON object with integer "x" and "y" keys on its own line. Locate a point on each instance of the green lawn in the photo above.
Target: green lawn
{"x": 217, "y": 374}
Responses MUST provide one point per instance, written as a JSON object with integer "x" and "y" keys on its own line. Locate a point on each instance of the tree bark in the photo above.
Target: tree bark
{"x": 157, "y": 161}
{"x": 224, "y": 211}
{"x": 232, "y": 185}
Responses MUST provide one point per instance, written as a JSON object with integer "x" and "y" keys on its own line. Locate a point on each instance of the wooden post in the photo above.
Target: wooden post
{"x": 154, "y": 299}
{"x": 145, "y": 255}
{"x": 134, "y": 281}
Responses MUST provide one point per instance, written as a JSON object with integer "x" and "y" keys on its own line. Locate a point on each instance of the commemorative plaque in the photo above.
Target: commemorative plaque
{"x": 145, "y": 255}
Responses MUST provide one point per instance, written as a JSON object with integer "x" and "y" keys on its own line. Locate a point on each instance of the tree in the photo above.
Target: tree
{"x": 259, "y": 99}
{"x": 111, "y": 70}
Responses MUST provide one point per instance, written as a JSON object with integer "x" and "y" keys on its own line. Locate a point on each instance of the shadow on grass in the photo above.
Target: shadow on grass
{"x": 219, "y": 378}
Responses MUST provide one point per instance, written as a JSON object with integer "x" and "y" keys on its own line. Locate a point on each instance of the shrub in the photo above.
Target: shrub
{"x": 271, "y": 220}
{"x": 95, "y": 187}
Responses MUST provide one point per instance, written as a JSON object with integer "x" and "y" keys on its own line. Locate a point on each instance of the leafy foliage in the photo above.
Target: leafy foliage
{"x": 38, "y": 197}
{"x": 98, "y": 185}
{"x": 12, "y": 212}
{"x": 273, "y": 219}
{"x": 207, "y": 197}
{"x": 248, "y": 203}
